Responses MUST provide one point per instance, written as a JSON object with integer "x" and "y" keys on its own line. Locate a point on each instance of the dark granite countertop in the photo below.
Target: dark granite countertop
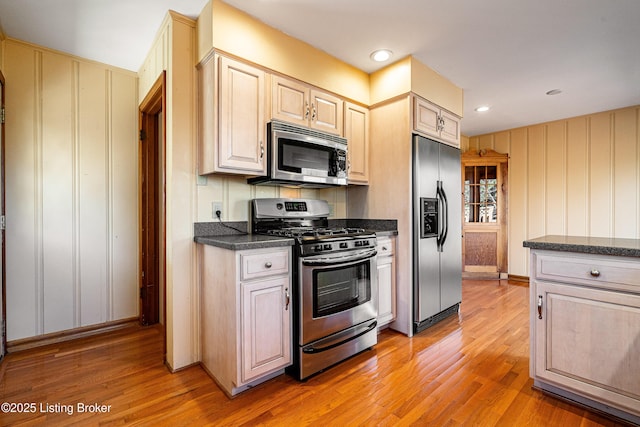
{"x": 587, "y": 245}
{"x": 232, "y": 235}
{"x": 237, "y": 242}
{"x": 382, "y": 227}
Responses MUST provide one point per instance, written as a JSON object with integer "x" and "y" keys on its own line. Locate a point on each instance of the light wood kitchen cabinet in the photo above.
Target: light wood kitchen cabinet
{"x": 385, "y": 247}
{"x": 435, "y": 122}
{"x": 585, "y": 329}
{"x": 304, "y": 105}
{"x": 246, "y": 315}
{"x": 232, "y": 117}
{"x": 356, "y": 130}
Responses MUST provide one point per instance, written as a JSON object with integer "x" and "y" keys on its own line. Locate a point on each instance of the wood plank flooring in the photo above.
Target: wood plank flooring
{"x": 470, "y": 369}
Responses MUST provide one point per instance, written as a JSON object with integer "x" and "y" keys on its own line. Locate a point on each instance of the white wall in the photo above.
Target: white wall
{"x": 71, "y": 191}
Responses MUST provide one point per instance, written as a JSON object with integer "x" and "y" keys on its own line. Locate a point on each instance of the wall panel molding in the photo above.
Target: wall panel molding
{"x": 62, "y": 187}
{"x": 592, "y": 181}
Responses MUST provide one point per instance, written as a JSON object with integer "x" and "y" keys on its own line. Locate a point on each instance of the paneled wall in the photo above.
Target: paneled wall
{"x": 579, "y": 176}
{"x": 71, "y": 191}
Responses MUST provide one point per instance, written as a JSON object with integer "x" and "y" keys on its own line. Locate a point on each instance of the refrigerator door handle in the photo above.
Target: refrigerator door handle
{"x": 445, "y": 216}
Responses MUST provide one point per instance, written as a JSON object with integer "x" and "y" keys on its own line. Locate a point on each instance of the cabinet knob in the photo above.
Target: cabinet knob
{"x": 384, "y": 248}
{"x": 595, "y": 272}
{"x": 268, "y": 264}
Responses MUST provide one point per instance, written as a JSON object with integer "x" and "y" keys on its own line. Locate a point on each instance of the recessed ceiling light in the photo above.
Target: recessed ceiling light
{"x": 554, "y": 92}
{"x": 381, "y": 55}
{"x": 482, "y": 108}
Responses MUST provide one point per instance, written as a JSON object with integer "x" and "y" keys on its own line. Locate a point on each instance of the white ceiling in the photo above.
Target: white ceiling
{"x": 503, "y": 53}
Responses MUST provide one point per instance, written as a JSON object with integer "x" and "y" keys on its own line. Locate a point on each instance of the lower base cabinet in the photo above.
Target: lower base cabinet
{"x": 246, "y": 315}
{"x": 386, "y": 280}
{"x": 585, "y": 330}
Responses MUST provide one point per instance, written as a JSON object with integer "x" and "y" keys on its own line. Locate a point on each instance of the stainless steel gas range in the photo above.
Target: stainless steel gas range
{"x": 335, "y": 284}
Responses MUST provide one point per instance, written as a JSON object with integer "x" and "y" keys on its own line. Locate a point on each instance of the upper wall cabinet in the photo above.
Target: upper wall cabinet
{"x": 356, "y": 130}
{"x": 298, "y": 103}
{"x": 435, "y": 122}
{"x": 232, "y": 117}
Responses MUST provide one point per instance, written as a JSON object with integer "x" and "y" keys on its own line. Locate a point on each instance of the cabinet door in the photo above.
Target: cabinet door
{"x": 326, "y": 112}
{"x": 386, "y": 280}
{"x": 386, "y": 294}
{"x": 242, "y": 125}
{"x": 207, "y": 123}
{"x": 266, "y": 327}
{"x": 450, "y": 132}
{"x": 356, "y": 130}
{"x": 426, "y": 117}
{"x": 588, "y": 341}
{"x": 290, "y": 101}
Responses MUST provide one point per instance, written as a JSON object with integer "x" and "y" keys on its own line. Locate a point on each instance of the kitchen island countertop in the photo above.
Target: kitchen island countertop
{"x": 587, "y": 245}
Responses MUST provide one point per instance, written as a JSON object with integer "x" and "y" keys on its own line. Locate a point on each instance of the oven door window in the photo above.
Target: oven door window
{"x": 301, "y": 157}
{"x": 341, "y": 288}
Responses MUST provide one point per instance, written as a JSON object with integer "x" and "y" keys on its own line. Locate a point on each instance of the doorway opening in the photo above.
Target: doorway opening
{"x": 152, "y": 205}
{"x": 484, "y": 216}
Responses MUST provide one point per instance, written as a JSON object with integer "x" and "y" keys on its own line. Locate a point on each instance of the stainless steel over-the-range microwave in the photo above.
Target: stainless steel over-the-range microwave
{"x": 303, "y": 157}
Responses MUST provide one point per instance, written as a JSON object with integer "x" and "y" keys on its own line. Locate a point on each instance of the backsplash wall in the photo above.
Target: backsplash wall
{"x": 234, "y": 193}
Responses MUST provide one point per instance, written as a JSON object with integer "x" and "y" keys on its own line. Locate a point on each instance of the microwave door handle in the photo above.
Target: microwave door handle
{"x": 340, "y": 260}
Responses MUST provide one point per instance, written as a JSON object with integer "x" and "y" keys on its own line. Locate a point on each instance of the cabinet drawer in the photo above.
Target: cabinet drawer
{"x": 385, "y": 246}
{"x": 593, "y": 270}
{"x": 260, "y": 263}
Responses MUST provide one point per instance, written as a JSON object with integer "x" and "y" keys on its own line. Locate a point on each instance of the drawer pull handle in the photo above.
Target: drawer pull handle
{"x": 268, "y": 264}
{"x": 539, "y": 306}
{"x": 595, "y": 273}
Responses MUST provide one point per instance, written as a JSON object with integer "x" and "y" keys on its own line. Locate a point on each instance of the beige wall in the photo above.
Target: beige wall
{"x": 410, "y": 75}
{"x": 579, "y": 176}
{"x": 232, "y": 31}
{"x": 174, "y": 51}
{"x": 71, "y": 195}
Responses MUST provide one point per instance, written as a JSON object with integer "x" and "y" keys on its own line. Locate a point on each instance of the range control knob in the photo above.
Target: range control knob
{"x": 317, "y": 248}
{"x": 344, "y": 245}
{"x": 327, "y": 247}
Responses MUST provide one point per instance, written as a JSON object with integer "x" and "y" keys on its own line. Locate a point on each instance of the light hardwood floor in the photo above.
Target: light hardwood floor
{"x": 470, "y": 369}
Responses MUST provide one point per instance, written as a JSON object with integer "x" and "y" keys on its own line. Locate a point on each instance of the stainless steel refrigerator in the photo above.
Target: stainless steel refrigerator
{"x": 437, "y": 232}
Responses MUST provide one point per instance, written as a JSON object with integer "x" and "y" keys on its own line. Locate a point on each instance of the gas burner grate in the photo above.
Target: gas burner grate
{"x": 313, "y": 232}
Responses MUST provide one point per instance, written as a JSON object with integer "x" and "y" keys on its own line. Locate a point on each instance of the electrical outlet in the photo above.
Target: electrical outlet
{"x": 217, "y": 206}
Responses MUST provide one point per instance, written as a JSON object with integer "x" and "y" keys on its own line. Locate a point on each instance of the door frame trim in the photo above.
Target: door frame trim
{"x": 489, "y": 157}
{"x": 154, "y": 102}
{"x": 3, "y": 280}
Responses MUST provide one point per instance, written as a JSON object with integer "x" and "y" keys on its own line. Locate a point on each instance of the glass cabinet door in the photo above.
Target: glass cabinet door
{"x": 481, "y": 194}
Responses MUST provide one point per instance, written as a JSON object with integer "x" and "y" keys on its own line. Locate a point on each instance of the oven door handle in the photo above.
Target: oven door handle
{"x": 333, "y": 343}
{"x": 359, "y": 256}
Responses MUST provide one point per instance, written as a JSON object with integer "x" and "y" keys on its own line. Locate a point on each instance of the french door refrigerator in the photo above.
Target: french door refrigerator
{"x": 437, "y": 232}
